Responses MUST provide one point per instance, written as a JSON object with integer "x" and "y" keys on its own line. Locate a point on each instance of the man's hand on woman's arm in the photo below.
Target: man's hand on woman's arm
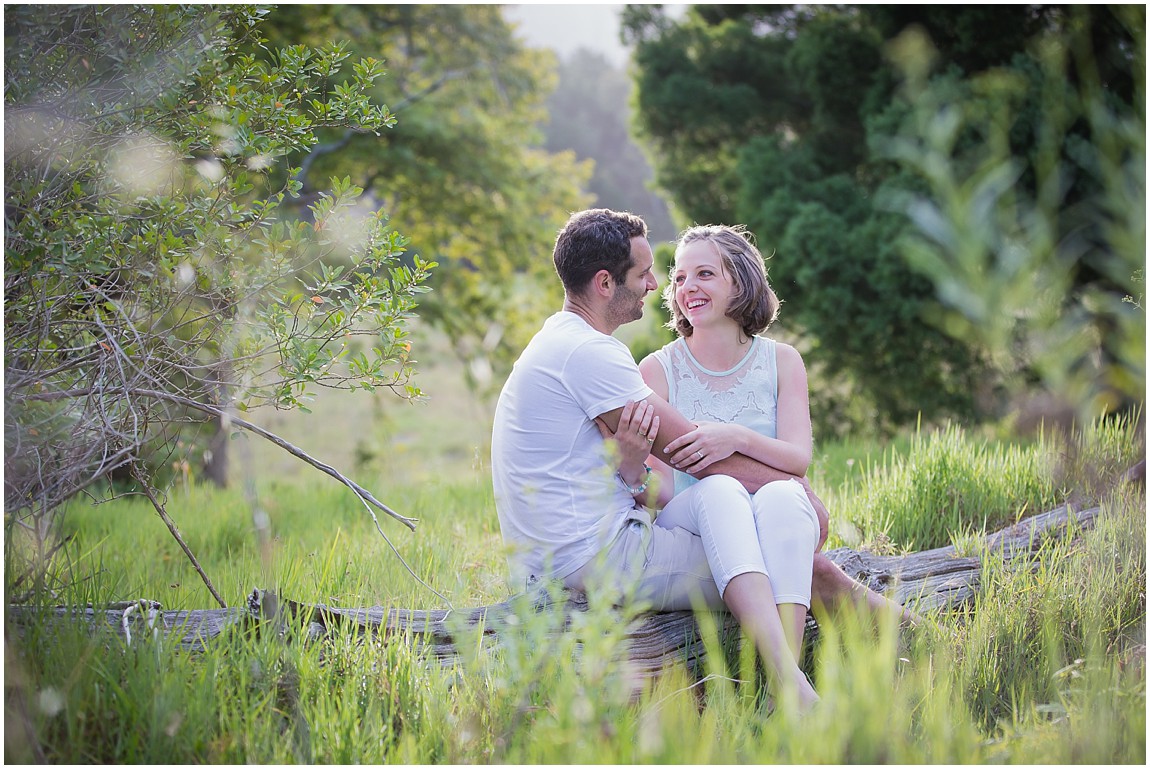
{"x": 634, "y": 436}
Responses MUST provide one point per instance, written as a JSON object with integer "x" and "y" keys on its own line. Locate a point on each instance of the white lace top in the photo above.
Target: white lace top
{"x": 746, "y": 394}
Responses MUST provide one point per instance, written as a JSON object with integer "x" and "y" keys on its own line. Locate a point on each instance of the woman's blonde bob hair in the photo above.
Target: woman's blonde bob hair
{"x": 754, "y": 304}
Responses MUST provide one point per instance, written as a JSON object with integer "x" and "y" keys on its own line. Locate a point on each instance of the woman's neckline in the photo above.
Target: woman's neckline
{"x": 738, "y": 364}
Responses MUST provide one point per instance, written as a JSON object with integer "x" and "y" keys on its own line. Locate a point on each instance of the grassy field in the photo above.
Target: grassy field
{"x": 1047, "y": 666}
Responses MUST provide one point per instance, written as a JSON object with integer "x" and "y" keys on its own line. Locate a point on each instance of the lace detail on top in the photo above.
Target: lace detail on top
{"x": 746, "y": 394}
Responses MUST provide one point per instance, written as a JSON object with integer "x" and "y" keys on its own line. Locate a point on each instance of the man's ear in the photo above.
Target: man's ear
{"x": 603, "y": 284}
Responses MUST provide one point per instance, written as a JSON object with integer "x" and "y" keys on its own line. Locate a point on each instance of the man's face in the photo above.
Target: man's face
{"x": 627, "y": 302}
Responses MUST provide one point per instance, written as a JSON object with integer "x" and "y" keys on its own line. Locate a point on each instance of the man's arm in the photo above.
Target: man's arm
{"x": 751, "y": 473}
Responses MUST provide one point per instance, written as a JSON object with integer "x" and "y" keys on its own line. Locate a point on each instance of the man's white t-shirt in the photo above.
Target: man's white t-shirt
{"x": 556, "y": 491}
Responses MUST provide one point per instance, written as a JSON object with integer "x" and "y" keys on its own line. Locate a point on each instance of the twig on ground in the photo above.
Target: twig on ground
{"x": 150, "y": 493}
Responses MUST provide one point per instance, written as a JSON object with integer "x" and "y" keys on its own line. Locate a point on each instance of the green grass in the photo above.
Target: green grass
{"x": 946, "y": 486}
{"x": 1047, "y": 666}
{"x": 322, "y": 544}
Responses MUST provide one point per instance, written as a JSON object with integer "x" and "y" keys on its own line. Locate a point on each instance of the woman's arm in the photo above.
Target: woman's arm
{"x": 793, "y": 414}
{"x": 790, "y": 452}
{"x": 654, "y": 376}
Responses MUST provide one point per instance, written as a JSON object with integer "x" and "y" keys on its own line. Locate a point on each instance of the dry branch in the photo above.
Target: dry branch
{"x": 930, "y": 580}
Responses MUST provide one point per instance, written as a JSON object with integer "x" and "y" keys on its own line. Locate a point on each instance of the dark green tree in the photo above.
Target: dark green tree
{"x": 769, "y": 115}
{"x": 1038, "y": 258}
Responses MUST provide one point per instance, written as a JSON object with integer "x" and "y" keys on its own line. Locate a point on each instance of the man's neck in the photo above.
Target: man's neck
{"x": 585, "y": 311}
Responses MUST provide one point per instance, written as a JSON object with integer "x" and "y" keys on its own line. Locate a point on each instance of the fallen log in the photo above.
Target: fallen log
{"x": 931, "y": 580}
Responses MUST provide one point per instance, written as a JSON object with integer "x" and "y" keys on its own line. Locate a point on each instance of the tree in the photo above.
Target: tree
{"x": 589, "y": 113}
{"x": 152, "y": 284}
{"x": 465, "y": 170}
{"x": 770, "y": 116}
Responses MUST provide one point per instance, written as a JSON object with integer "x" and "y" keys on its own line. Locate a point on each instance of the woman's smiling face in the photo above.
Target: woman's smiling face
{"x": 703, "y": 288}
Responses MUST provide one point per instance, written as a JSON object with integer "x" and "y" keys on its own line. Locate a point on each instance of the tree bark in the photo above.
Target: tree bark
{"x": 215, "y": 465}
{"x": 931, "y": 580}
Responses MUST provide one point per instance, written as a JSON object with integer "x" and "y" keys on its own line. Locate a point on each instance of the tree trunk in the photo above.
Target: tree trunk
{"x": 215, "y": 467}
{"x": 928, "y": 581}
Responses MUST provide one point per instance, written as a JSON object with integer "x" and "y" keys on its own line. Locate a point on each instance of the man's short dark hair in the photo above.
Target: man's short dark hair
{"x": 593, "y": 240}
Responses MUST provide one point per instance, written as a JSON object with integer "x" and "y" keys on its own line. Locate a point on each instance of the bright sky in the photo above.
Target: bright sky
{"x": 566, "y": 28}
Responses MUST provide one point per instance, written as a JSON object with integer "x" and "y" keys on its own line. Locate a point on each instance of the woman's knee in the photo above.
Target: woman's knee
{"x": 723, "y": 485}
{"x": 783, "y": 506}
{"x": 723, "y": 496}
{"x": 783, "y": 498}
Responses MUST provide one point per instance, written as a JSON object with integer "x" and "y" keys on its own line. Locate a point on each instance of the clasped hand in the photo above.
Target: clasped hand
{"x": 638, "y": 426}
{"x": 691, "y": 452}
{"x": 708, "y": 443}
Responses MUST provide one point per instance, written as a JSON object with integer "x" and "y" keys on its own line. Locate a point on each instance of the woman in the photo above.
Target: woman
{"x": 747, "y": 394}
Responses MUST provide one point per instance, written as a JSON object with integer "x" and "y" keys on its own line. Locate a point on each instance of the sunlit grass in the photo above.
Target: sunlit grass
{"x": 948, "y": 486}
{"x": 322, "y": 543}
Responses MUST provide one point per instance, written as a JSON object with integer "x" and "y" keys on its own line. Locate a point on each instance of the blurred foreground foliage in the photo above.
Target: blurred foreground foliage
{"x": 1047, "y": 665}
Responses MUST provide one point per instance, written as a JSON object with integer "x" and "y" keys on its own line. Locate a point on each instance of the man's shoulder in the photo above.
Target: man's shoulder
{"x": 567, "y": 331}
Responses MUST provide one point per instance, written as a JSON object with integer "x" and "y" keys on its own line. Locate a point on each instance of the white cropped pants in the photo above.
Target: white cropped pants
{"x": 705, "y": 537}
